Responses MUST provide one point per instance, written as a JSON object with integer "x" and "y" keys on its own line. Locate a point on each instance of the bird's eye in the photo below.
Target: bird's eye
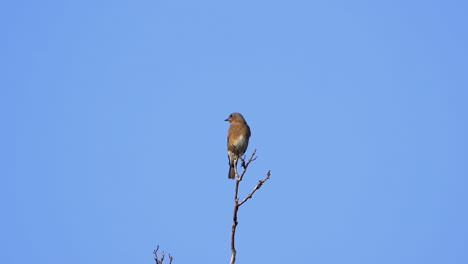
{"x": 230, "y": 116}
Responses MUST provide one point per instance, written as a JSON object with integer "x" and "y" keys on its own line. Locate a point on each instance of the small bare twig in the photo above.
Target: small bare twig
{"x": 239, "y": 178}
{"x": 259, "y": 184}
{"x": 161, "y": 260}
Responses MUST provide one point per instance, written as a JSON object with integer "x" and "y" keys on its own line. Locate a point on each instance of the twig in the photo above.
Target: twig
{"x": 161, "y": 260}
{"x": 239, "y": 178}
{"x": 259, "y": 184}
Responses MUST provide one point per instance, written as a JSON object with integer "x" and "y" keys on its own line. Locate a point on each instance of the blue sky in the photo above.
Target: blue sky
{"x": 113, "y": 139}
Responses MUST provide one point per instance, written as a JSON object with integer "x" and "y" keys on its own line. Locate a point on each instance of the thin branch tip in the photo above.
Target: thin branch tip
{"x": 163, "y": 254}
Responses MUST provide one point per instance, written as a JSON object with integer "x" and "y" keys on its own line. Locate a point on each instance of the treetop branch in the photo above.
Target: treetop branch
{"x": 239, "y": 178}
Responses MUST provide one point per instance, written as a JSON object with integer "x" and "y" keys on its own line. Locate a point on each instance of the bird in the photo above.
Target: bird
{"x": 237, "y": 141}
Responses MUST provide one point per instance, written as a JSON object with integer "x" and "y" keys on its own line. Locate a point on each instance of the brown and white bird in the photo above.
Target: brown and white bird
{"x": 237, "y": 141}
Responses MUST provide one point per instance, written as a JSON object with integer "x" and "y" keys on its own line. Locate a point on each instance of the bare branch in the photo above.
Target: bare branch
{"x": 252, "y": 158}
{"x": 246, "y": 165}
{"x": 161, "y": 260}
{"x": 239, "y": 178}
{"x": 259, "y": 184}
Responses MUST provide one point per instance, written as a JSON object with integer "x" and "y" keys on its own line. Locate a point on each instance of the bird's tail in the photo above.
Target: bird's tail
{"x": 232, "y": 173}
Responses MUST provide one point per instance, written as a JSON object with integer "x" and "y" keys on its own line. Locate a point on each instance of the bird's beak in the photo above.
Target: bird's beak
{"x": 226, "y": 119}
